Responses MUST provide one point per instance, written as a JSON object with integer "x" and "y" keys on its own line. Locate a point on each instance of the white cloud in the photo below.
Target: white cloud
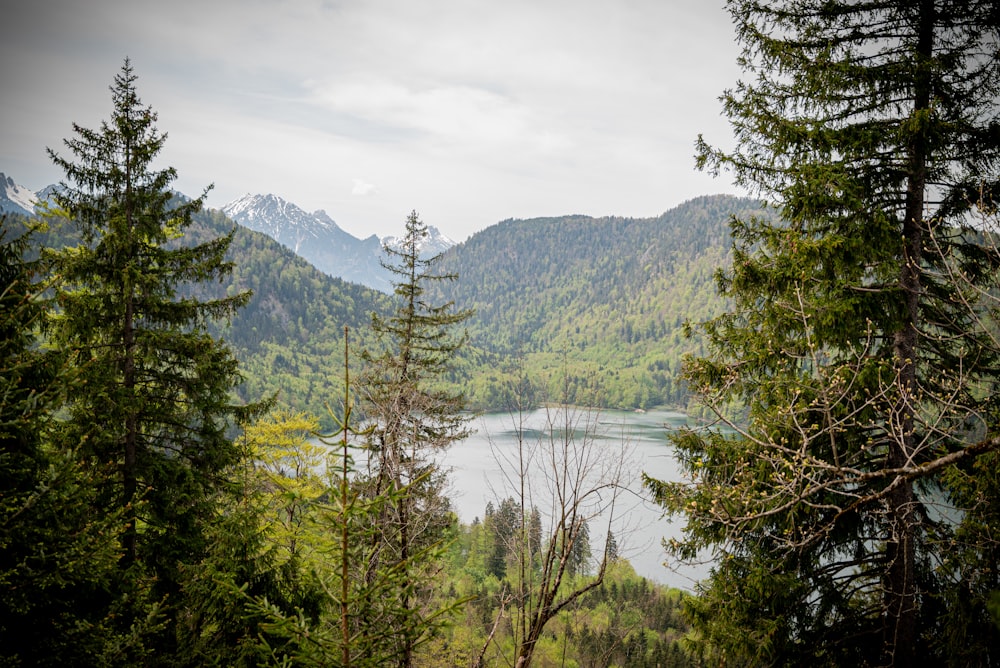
{"x": 469, "y": 111}
{"x": 363, "y": 188}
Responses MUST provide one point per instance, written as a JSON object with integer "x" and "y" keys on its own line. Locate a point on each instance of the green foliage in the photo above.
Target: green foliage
{"x": 57, "y": 559}
{"x": 860, "y": 341}
{"x": 971, "y": 618}
{"x": 152, "y": 404}
{"x": 589, "y": 300}
{"x": 410, "y": 417}
{"x": 611, "y": 308}
{"x": 624, "y": 621}
{"x": 134, "y": 528}
{"x": 541, "y": 554}
{"x": 287, "y": 334}
{"x": 289, "y": 330}
{"x": 223, "y": 623}
{"x": 337, "y": 533}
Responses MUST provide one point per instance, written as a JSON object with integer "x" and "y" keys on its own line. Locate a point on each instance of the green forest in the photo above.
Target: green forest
{"x": 166, "y": 503}
{"x": 610, "y": 316}
{"x": 213, "y": 455}
{"x": 591, "y": 301}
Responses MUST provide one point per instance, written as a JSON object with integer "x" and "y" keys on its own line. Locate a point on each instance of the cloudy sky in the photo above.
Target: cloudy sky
{"x": 468, "y": 111}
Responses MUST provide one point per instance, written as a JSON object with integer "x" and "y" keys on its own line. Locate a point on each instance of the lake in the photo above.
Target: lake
{"x": 477, "y": 476}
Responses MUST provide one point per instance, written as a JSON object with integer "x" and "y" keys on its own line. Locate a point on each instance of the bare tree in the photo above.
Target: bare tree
{"x": 565, "y": 481}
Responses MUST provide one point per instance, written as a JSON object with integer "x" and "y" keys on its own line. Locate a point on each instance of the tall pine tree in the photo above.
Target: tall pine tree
{"x": 860, "y": 341}
{"x": 154, "y": 400}
{"x": 412, "y": 416}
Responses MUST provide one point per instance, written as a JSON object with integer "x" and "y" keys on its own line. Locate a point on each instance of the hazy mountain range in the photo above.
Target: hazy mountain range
{"x": 591, "y": 310}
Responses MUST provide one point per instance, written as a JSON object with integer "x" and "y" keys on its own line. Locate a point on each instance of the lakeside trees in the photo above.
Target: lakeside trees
{"x": 862, "y": 340}
{"x": 576, "y": 478}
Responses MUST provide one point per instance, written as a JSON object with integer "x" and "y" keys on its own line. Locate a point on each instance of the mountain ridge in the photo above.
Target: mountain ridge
{"x": 581, "y": 303}
{"x": 317, "y": 238}
{"x": 15, "y": 198}
{"x": 573, "y": 303}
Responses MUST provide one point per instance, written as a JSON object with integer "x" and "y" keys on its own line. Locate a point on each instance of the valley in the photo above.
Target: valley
{"x": 588, "y": 310}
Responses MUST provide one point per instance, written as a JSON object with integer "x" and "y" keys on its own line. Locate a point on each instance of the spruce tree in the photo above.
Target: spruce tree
{"x": 154, "y": 399}
{"x": 860, "y": 340}
{"x": 412, "y": 416}
{"x": 356, "y": 618}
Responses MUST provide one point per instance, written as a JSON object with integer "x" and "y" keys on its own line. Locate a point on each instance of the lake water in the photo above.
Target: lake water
{"x": 483, "y": 468}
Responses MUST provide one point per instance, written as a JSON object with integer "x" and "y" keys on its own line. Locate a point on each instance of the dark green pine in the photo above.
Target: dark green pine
{"x": 154, "y": 398}
{"x": 57, "y": 560}
{"x": 857, "y": 357}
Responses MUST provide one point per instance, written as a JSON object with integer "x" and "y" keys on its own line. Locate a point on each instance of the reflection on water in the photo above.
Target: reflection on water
{"x": 477, "y": 479}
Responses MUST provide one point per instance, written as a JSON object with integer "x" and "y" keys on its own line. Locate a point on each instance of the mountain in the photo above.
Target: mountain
{"x": 591, "y": 310}
{"x": 313, "y": 236}
{"x": 591, "y": 307}
{"x": 435, "y": 243}
{"x": 289, "y": 339}
{"x": 317, "y": 238}
{"x": 15, "y": 198}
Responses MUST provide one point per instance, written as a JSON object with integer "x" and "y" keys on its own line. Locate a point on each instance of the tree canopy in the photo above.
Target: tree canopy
{"x": 153, "y": 408}
{"x": 861, "y": 338}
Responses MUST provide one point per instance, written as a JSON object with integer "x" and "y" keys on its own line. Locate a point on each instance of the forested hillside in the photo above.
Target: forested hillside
{"x": 290, "y": 337}
{"x": 595, "y": 302}
{"x": 595, "y": 305}
{"x": 157, "y": 510}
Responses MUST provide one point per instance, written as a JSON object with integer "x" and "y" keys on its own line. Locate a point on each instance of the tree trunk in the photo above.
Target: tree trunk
{"x": 901, "y": 629}
{"x": 130, "y": 474}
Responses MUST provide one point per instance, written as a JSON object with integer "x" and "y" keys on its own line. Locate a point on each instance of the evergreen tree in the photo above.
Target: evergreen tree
{"x": 56, "y": 559}
{"x": 153, "y": 404}
{"x": 359, "y": 614}
{"x": 860, "y": 336}
{"x": 411, "y": 418}
{"x": 578, "y": 558}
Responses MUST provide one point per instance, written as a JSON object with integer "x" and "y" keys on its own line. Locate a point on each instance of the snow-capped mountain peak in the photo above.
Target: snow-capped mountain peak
{"x": 15, "y": 198}
{"x": 317, "y": 238}
{"x": 314, "y": 236}
{"x": 434, "y": 243}
{"x": 282, "y": 220}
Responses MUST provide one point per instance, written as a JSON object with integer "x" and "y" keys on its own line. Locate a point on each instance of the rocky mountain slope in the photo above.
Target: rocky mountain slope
{"x": 317, "y": 238}
{"x": 15, "y": 198}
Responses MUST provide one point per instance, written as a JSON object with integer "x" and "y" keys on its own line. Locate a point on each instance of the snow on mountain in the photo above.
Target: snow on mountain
{"x": 315, "y": 237}
{"x": 434, "y": 244}
{"x": 15, "y": 198}
{"x": 283, "y": 221}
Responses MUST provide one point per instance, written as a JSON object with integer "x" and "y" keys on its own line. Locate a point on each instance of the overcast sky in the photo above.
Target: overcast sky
{"x": 468, "y": 111}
